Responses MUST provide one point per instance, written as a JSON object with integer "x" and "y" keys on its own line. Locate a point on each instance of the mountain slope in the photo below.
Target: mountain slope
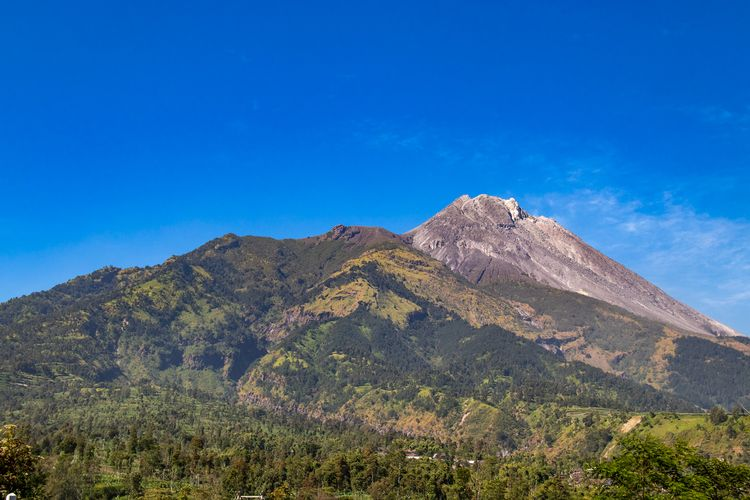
{"x": 617, "y": 341}
{"x": 334, "y": 326}
{"x": 488, "y": 239}
{"x": 401, "y": 344}
{"x": 209, "y": 310}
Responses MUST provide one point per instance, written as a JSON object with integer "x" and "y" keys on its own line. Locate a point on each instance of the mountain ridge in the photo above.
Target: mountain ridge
{"x": 356, "y": 325}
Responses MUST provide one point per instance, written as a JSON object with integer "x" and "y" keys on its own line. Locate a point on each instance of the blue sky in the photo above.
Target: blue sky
{"x": 131, "y": 131}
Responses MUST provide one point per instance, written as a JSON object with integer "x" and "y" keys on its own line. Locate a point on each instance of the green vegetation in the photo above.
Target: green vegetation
{"x": 130, "y": 444}
{"x": 693, "y": 367}
{"x": 726, "y": 437}
{"x": 646, "y": 468}
{"x": 699, "y": 364}
{"x": 19, "y": 470}
{"x": 326, "y": 366}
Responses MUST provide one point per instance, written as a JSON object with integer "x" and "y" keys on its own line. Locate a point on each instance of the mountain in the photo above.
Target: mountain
{"x": 357, "y": 327}
{"x": 407, "y": 346}
{"x": 488, "y": 239}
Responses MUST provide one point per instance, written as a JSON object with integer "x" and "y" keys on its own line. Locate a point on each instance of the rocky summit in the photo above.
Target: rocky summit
{"x": 488, "y": 239}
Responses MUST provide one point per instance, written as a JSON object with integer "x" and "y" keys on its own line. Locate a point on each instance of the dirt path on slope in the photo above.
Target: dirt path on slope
{"x": 624, "y": 429}
{"x": 630, "y": 424}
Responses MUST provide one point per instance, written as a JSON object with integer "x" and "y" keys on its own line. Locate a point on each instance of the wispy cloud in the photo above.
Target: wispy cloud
{"x": 397, "y": 140}
{"x": 738, "y": 117}
{"x": 551, "y": 160}
{"x": 700, "y": 259}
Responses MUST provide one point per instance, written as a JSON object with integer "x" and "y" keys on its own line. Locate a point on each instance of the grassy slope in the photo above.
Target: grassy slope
{"x": 729, "y": 440}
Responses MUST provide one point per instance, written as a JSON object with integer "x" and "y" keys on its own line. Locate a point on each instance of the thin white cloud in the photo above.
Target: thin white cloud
{"x": 701, "y": 260}
{"x": 722, "y": 116}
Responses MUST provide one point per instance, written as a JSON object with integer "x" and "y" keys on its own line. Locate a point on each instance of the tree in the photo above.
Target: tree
{"x": 19, "y": 471}
{"x": 717, "y": 415}
{"x": 334, "y": 472}
{"x": 555, "y": 488}
{"x": 644, "y": 468}
{"x": 280, "y": 493}
{"x": 234, "y": 477}
{"x": 460, "y": 489}
{"x": 68, "y": 480}
{"x": 647, "y": 468}
{"x": 135, "y": 484}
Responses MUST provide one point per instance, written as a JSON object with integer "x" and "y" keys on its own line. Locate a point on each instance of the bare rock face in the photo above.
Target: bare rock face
{"x": 487, "y": 239}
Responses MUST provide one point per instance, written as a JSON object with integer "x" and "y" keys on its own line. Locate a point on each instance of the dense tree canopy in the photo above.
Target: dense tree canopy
{"x": 646, "y": 468}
